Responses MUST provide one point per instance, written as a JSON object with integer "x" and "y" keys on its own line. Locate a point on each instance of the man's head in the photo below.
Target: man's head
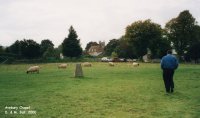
{"x": 169, "y": 52}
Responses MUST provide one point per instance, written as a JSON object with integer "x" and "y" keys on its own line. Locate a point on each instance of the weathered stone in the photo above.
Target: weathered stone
{"x": 78, "y": 71}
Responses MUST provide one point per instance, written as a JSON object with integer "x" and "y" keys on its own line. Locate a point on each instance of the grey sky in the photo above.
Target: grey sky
{"x": 94, "y": 20}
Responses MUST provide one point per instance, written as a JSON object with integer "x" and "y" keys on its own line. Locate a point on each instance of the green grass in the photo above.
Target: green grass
{"x": 122, "y": 91}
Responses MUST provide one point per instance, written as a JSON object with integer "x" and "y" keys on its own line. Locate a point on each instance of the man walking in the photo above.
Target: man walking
{"x": 168, "y": 64}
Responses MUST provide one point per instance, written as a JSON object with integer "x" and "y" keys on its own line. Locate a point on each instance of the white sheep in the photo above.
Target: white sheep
{"x": 111, "y": 64}
{"x": 87, "y": 64}
{"x": 33, "y": 69}
{"x": 63, "y": 66}
{"x": 135, "y": 64}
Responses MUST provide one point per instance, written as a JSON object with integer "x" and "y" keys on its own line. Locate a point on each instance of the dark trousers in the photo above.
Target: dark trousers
{"x": 168, "y": 79}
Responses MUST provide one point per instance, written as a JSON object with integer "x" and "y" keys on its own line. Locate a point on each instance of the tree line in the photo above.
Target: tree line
{"x": 181, "y": 33}
{"x": 29, "y": 49}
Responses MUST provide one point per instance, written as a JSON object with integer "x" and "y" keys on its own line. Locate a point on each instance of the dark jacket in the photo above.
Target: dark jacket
{"x": 169, "y": 62}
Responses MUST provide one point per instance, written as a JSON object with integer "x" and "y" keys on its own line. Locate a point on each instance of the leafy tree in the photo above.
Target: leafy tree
{"x": 143, "y": 35}
{"x": 1, "y": 49}
{"x": 180, "y": 31}
{"x": 51, "y": 53}
{"x": 111, "y": 46}
{"x": 45, "y": 44}
{"x": 57, "y": 53}
{"x": 164, "y": 46}
{"x": 30, "y": 48}
{"x": 60, "y": 48}
{"x": 124, "y": 49}
{"x": 7, "y": 50}
{"x": 15, "y": 48}
{"x": 194, "y": 49}
{"x": 71, "y": 45}
{"x": 90, "y": 44}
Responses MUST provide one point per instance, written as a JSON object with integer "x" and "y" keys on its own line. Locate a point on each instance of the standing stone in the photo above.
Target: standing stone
{"x": 78, "y": 72}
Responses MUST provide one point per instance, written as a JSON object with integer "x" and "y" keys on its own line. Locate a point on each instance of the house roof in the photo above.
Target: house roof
{"x": 94, "y": 47}
{"x": 95, "y": 50}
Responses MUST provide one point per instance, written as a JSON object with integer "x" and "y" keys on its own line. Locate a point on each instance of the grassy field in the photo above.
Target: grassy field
{"x": 122, "y": 91}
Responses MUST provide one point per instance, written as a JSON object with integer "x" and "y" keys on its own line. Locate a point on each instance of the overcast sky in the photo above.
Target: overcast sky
{"x": 94, "y": 20}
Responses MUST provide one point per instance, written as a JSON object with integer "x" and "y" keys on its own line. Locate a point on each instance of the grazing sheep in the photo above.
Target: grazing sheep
{"x": 33, "y": 69}
{"x": 111, "y": 64}
{"x": 62, "y": 66}
{"x": 87, "y": 64}
{"x": 135, "y": 64}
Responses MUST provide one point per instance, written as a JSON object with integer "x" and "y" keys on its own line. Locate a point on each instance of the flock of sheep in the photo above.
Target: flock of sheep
{"x": 36, "y": 69}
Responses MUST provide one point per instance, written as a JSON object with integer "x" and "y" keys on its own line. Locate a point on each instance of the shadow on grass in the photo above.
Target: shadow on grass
{"x": 83, "y": 78}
